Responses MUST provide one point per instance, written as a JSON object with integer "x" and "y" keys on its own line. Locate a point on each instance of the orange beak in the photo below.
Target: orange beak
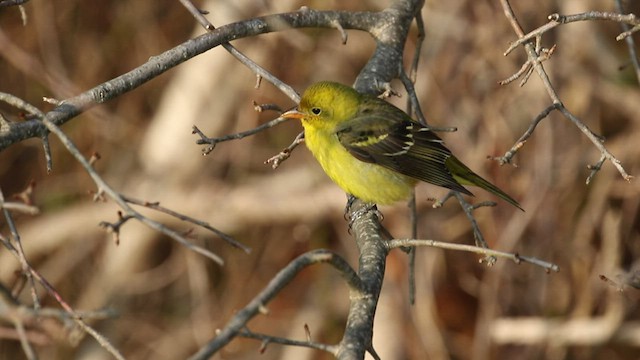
{"x": 293, "y": 114}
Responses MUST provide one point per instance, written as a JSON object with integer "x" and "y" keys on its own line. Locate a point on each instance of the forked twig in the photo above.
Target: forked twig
{"x": 276, "y": 160}
{"x": 214, "y": 141}
{"x": 535, "y": 62}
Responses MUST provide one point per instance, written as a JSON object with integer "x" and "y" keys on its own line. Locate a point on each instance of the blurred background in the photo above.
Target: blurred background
{"x": 170, "y": 301}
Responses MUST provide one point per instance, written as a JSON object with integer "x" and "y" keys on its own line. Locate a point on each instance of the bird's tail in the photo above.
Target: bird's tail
{"x": 465, "y": 176}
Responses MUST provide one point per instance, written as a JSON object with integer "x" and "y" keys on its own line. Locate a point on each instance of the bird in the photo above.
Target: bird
{"x": 375, "y": 151}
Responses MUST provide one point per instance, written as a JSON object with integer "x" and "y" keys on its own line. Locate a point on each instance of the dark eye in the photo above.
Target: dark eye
{"x": 316, "y": 111}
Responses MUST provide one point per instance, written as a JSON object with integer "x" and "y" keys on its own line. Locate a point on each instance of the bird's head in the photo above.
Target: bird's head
{"x": 326, "y": 104}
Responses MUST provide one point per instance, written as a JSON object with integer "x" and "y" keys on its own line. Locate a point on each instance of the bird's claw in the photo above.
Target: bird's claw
{"x": 351, "y": 217}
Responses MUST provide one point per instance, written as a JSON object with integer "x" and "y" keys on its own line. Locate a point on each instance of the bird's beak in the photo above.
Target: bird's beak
{"x": 292, "y": 114}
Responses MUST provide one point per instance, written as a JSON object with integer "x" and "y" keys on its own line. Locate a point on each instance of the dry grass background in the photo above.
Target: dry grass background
{"x": 170, "y": 301}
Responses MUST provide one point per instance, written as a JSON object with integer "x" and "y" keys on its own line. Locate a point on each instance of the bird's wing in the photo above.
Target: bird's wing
{"x": 396, "y": 142}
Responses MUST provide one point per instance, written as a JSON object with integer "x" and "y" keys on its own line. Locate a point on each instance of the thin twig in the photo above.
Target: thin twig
{"x": 267, "y": 107}
{"x": 197, "y": 14}
{"x": 276, "y": 160}
{"x": 103, "y": 187}
{"x": 468, "y": 210}
{"x": 413, "y": 70}
{"x": 597, "y": 141}
{"x": 373, "y": 352}
{"x": 75, "y": 316}
{"x": 595, "y": 168}
{"x": 508, "y": 156}
{"x": 631, "y": 45}
{"x": 535, "y": 59}
{"x": 7, "y": 3}
{"x": 17, "y": 245}
{"x": 25, "y": 106}
{"x": 413, "y": 104}
{"x": 19, "y": 207}
{"x": 557, "y": 19}
{"x": 413, "y": 97}
{"x": 214, "y": 141}
{"x": 267, "y": 339}
{"x": 11, "y": 311}
{"x": 245, "y": 60}
{"x": 24, "y": 342}
{"x": 396, "y": 243}
{"x": 156, "y": 206}
{"x": 477, "y": 234}
{"x": 20, "y": 104}
{"x": 413, "y": 214}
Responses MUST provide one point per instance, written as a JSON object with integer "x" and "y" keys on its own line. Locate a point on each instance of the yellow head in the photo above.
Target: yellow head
{"x": 326, "y": 104}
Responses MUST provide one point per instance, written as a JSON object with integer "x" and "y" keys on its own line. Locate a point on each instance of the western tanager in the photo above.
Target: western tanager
{"x": 375, "y": 151}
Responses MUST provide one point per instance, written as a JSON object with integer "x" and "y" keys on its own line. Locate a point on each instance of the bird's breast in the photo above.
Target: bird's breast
{"x": 367, "y": 181}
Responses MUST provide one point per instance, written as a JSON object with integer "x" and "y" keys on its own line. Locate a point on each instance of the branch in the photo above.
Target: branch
{"x": 259, "y": 70}
{"x": 157, "y": 65}
{"x": 103, "y": 187}
{"x": 156, "y": 206}
{"x": 276, "y": 160}
{"x": 516, "y": 258}
{"x": 75, "y": 316}
{"x": 213, "y": 141}
{"x": 7, "y": 3}
{"x": 557, "y": 20}
{"x": 17, "y": 249}
{"x": 508, "y": 156}
{"x": 535, "y": 58}
{"x": 633, "y": 54}
{"x": 236, "y": 325}
{"x": 367, "y": 232}
{"x": 267, "y": 339}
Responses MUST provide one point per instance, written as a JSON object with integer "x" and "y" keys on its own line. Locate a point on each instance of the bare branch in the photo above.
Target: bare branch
{"x": 236, "y": 325}
{"x": 19, "y": 207}
{"x": 535, "y": 58}
{"x": 103, "y": 187}
{"x": 477, "y": 234}
{"x": 156, "y": 206}
{"x": 163, "y": 62}
{"x": 631, "y": 45}
{"x": 557, "y": 19}
{"x": 18, "y": 251}
{"x": 75, "y": 316}
{"x": 214, "y": 141}
{"x": 488, "y": 253}
{"x": 268, "y": 339}
{"x": 259, "y": 70}
{"x": 276, "y": 160}
{"x": 368, "y": 233}
{"x": 597, "y": 141}
{"x": 508, "y": 156}
{"x": 7, "y": 3}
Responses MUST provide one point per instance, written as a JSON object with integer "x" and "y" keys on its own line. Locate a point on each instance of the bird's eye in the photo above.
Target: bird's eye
{"x": 316, "y": 110}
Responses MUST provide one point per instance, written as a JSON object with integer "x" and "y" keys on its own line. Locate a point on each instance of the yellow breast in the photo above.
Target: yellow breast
{"x": 368, "y": 182}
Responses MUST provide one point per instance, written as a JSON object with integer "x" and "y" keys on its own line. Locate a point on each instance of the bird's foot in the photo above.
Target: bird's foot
{"x": 351, "y": 216}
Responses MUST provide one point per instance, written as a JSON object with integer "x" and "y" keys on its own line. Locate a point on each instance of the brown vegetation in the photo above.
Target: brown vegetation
{"x": 169, "y": 301}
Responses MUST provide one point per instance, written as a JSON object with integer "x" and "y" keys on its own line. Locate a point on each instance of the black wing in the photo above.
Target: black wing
{"x": 391, "y": 139}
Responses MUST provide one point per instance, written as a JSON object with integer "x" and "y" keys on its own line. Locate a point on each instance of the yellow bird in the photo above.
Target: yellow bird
{"x": 375, "y": 151}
